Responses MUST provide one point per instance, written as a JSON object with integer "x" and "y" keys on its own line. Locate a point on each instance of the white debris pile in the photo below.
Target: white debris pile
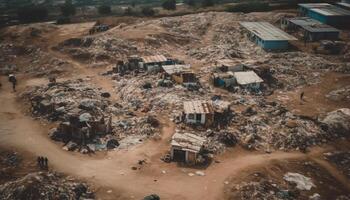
{"x": 338, "y": 122}
{"x": 302, "y": 182}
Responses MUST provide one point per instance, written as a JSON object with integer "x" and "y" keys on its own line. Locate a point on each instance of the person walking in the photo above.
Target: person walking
{"x": 13, "y": 80}
{"x": 46, "y": 163}
{"x": 302, "y": 96}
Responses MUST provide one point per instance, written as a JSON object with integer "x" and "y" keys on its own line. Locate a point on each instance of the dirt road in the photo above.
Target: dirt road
{"x": 113, "y": 170}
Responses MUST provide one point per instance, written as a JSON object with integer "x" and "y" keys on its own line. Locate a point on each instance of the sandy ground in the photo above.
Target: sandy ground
{"x": 112, "y": 170}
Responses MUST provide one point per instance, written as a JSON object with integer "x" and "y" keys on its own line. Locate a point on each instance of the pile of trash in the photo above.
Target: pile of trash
{"x": 337, "y": 122}
{"x": 83, "y": 113}
{"x": 30, "y": 59}
{"x": 270, "y": 125}
{"x": 45, "y": 185}
{"x": 341, "y": 159}
{"x": 342, "y": 94}
{"x": 97, "y": 49}
{"x": 133, "y": 91}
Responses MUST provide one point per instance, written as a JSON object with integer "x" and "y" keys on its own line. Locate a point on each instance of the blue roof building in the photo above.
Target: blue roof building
{"x": 267, "y": 36}
{"x": 311, "y": 29}
{"x": 326, "y": 13}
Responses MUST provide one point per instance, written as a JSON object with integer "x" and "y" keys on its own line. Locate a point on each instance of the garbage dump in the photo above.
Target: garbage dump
{"x": 45, "y": 185}
{"x": 87, "y": 120}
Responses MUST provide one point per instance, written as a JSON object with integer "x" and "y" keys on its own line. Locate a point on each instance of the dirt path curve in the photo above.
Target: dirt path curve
{"x": 113, "y": 171}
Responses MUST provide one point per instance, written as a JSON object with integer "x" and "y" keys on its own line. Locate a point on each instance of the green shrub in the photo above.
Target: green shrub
{"x": 104, "y": 10}
{"x": 249, "y": 7}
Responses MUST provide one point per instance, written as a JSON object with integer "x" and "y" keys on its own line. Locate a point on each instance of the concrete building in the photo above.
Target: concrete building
{"x": 311, "y": 29}
{"x": 267, "y": 36}
{"x": 185, "y": 147}
{"x": 248, "y": 79}
{"x": 198, "y": 112}
{"x": 326, "y": 13}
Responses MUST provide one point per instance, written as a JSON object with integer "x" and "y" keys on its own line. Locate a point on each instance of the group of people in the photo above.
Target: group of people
{"x": 43, "y": 162}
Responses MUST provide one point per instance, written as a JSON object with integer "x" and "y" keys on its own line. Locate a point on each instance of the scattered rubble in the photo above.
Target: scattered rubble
{"x": 341, "y": 160}
{"x": 338, "y": 122}
{"x": 45, "y": 185}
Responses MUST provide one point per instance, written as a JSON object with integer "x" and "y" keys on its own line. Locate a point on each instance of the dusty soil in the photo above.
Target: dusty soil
{"x": 111, "y": 172}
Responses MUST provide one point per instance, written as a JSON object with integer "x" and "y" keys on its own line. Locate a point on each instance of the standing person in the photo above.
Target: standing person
{"x": 39, "y": 161}
{"x": 13, "y": 80}
{"x": 302, "y": 96}
{"x": 46, "y": 163}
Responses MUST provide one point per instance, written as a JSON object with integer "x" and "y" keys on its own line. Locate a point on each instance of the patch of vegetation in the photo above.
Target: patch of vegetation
{"x": 104, "y": 10}
{"x": 169, "y": 4}
{"x": 68, "y": 9}
{"x": 247, "y": 7}
{"x": 148, "y": 11}
{"x": 32, "y": 13}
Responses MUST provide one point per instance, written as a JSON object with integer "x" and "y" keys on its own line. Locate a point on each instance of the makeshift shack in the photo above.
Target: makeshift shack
{"x": 248, "y": 79}
{"x": 185, "y": 147}
{"x": 198, "y": 112}
{"x": 223, "y": 79}
{"x": 154, "y": 63}
{"x": 230, "y": 65}
{"x": 180, "y": 73}
{"x": 222, "y": 113}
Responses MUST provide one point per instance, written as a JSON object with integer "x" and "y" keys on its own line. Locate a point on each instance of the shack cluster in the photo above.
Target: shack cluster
{"x": 315, "y": 23}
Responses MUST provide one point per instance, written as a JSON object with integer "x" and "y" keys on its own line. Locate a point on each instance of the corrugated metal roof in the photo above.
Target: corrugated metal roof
{"x": 154, "y": 59}
{"x": 198, "y": 107}
{"x": 267, "y": 31}
{"x": 312, "y": 25}
{"x": 331, "y": 11}
{"x": 344, "y": 4}
{"x": 188, "y": 142}
{"x": 314, "y": 5}
{"x": 248, "y": 77}
{"x": 173, "y": 69}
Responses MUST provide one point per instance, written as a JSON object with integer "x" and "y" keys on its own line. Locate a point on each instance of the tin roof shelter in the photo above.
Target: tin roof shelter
{"x": 199, "y": 112}
{"x": 185, "y": 147}
{"x": 247, "y": 78}
{"x": 313, "y": 30}
{"x": 173, "y": 69}
{"x": 344, "y": 5}
{"x": 197, "y": 107}
{"x": 154, "y": 59}
{"x": 267, "y": 36}
{"x": 326, "y": 13}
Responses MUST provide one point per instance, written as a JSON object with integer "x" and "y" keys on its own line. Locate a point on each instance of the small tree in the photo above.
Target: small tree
{"x": 169, "y": 4}
{"x": 104, "y": 10}
{"x": 133, "y": 4}
{"x": 32, "y": 13}
{"x": 207, "y": 3}
{"x": 68, "y": 9}
{"x": 148, "y": 11}
{"x": 128, "y": 11}
{"x": 190, "y": 2}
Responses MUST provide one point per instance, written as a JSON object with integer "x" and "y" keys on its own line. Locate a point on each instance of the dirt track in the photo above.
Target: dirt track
{"x": 113, "y": 170}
